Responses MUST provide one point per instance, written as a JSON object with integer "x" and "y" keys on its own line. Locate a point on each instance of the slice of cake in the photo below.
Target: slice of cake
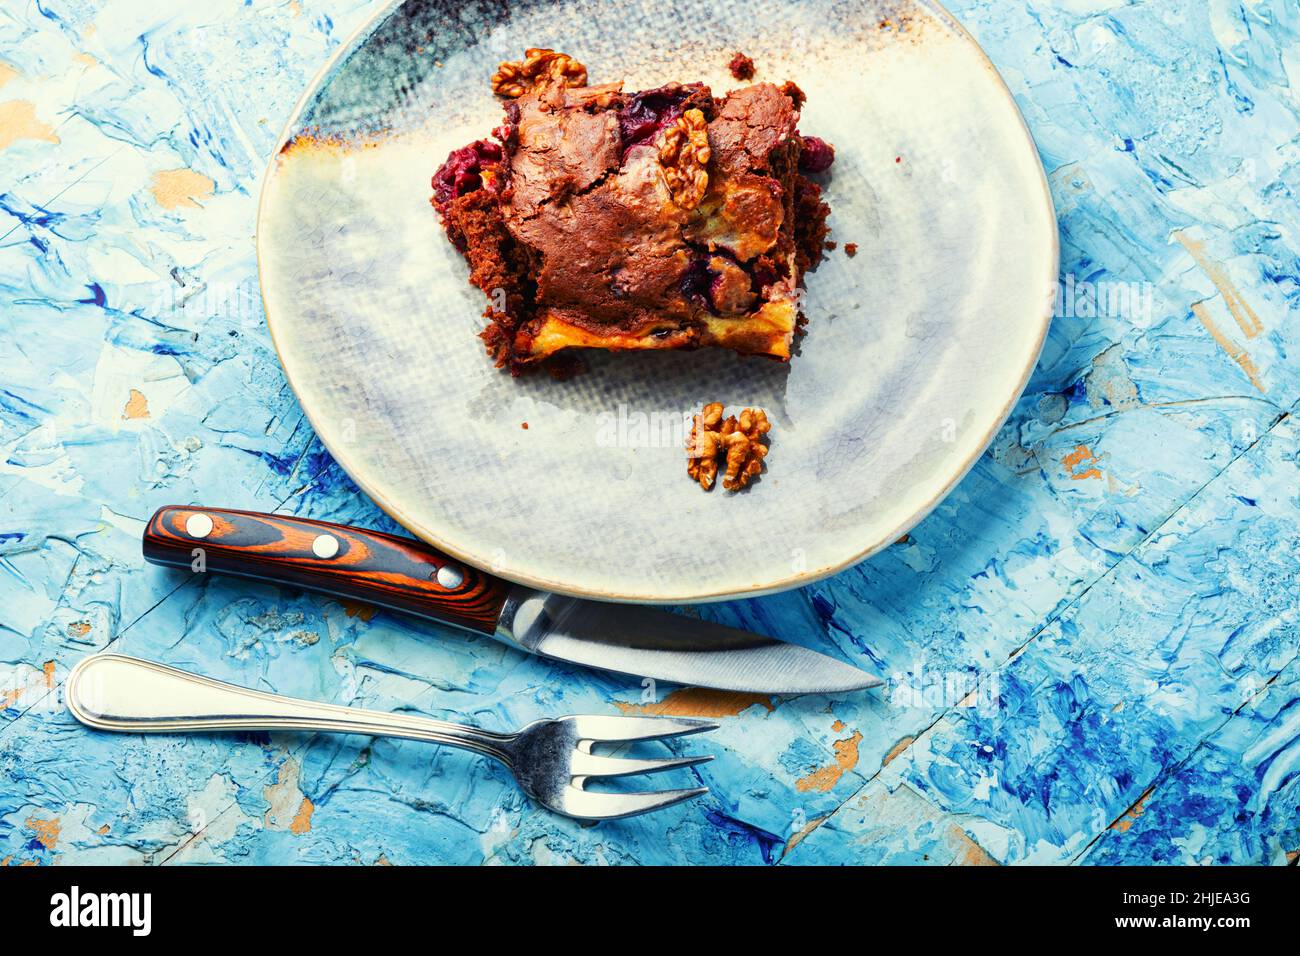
{"x": 661, "y": 219}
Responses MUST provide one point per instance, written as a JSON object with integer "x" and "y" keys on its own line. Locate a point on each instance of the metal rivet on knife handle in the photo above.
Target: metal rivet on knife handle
{"x": 450, "y": 577}
{"x": 198, "y": 525}
{"x": 325, "y": 546}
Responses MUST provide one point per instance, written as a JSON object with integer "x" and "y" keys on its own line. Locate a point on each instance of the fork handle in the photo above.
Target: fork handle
{"x": 385, "y": 570}
{"x": 128, "y": 695}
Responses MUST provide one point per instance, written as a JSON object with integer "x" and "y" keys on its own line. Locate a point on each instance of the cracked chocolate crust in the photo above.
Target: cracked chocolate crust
{"x": 568, "y": 222}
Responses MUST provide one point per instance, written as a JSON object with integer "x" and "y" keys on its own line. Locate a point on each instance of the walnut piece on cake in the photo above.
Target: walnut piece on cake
{"x": 684, "y": 156}
{"x": 538, "y": 67}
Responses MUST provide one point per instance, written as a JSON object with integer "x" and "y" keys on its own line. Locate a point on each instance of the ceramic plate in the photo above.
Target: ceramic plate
{"x": 915, "y": 349}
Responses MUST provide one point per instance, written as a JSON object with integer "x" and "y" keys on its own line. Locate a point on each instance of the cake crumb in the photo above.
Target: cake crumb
{"x": 850, "y": 249}
{"x": 741, "y": 66}
{"x": 524, "y": 426}
{"x": 796, "y": 95}
{"x": 831, "y": 245}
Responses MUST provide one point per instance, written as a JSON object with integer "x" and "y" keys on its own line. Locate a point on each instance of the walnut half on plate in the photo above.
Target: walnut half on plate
{"x": 737, "y": 441}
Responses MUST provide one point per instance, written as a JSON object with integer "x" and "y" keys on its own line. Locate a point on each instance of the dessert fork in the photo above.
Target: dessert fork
{"x": 551, "y": 759}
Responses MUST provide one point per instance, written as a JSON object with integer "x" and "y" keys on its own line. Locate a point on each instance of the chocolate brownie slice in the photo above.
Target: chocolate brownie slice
{"x": 660, "y": 219}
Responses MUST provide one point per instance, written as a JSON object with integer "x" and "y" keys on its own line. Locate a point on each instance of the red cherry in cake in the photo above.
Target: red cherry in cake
{"x": 462, "y": 172}
{"x": 816, "y": 155}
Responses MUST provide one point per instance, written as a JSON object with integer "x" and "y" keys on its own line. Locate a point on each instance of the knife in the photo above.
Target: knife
{"x": 402, "y": 574}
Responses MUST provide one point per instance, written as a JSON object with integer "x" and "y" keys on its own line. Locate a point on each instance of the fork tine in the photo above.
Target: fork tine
{"x": 593, "y": 805}
{"x": 608, "y": 729}
{"x": 583, "y": 764}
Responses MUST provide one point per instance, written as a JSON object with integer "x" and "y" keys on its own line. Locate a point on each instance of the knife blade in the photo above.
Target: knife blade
{"x": 406, "y": 575}
{"x": 648, "y": 642}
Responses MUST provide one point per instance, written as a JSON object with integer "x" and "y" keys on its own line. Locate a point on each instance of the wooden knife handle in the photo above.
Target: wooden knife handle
{"x": 400, "y": 574}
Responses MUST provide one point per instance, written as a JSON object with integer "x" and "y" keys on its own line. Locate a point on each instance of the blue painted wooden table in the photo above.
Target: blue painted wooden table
{"x": 1091, "y": 645}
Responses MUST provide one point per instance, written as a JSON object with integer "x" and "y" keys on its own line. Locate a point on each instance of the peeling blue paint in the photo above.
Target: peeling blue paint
{"x": 766, "y": 843}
